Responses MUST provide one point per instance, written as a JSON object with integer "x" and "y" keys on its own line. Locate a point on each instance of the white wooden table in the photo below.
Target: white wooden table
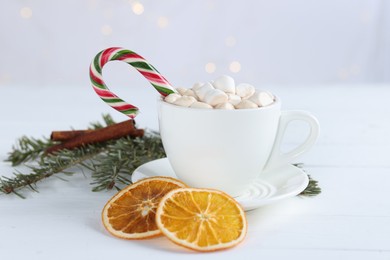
{"x": 351, "y": 161}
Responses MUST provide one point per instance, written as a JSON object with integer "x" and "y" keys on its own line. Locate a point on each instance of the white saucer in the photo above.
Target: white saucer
{"x": 287, "y": 181}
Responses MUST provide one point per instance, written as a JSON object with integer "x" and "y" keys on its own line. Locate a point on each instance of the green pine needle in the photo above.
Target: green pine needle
{"x": 114, "y": 167}
{"x": 28, "y": 149}
{"x": 312, "y": 188}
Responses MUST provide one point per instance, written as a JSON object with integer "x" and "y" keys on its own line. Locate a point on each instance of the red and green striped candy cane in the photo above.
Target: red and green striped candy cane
{"x": 135, "y": 60}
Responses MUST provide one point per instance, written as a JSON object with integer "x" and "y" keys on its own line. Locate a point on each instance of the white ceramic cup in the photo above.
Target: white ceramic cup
{"x": 228, "y": 149}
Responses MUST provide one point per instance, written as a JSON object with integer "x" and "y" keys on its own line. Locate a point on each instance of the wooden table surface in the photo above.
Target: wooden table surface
{"x": 351, "y": 161}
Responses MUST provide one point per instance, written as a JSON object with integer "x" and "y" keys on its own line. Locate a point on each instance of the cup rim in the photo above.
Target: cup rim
{"x": 277, "y": 102}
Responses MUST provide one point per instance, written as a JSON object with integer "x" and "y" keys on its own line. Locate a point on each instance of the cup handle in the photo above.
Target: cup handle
{"x": 277, "y": 157}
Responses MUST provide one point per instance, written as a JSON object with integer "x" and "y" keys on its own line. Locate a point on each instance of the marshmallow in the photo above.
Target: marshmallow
{"x": 191, "y": 93}
{"x": 197, "y": 85}
{"x": 184, "y": 101}
{"x": 262, "y": 98}
{"x": 215, "y": 96}
{"x": 226, "y": 84}
{"x": 225, "y": 105}
{"x": 234, "y": 99}
{"x": 246, "y": 104}
{"x": 201, "y": 91}
{"x": 245, "y": 90}
{"x": 172, "y": 98}
{"x": 198, "y": 104}
{"x": 181, "y": 91}
{"x": 270, "y": 94}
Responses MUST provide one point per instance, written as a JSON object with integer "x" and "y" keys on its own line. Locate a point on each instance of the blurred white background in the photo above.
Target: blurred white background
{"x": 281, "y": 42}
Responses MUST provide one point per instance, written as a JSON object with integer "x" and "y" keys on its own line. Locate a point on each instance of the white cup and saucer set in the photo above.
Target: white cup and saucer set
{"x": 237, "y": 151}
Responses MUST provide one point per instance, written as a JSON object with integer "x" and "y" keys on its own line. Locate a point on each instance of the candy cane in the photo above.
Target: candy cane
{"x": 135, "y": 60}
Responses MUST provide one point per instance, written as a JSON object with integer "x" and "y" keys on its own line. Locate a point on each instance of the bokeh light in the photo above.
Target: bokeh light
{"x": 106, "y": 30}
{"x": 162, "y": 22}
{"x": 26, "y": 12}
{"x": 235, "y": 66}
{"x": 210, "y": 67}
{"x": 137, "y": 8}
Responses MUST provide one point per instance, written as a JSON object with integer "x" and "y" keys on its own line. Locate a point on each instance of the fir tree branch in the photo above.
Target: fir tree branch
{"x": 111, "y": 163}
{"x": 31, "y": 149}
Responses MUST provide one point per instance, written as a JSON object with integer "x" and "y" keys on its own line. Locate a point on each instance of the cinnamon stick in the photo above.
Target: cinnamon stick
{"x": 112, "y": 132}
{"x": 66, "y": 135}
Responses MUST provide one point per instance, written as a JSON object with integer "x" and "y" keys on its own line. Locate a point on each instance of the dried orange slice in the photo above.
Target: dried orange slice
{"x": 201, "y": 219}
{"x": 130, "y": 214}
